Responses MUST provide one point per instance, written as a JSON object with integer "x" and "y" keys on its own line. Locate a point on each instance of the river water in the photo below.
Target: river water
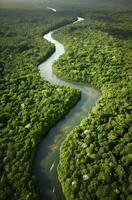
{"x": 47, "y": 156}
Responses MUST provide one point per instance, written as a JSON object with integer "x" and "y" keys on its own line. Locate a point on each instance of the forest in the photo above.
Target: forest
{"x": 29, "y": 105}
{"x": 96, "y": 157}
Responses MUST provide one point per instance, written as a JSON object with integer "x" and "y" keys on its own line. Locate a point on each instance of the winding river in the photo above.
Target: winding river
{"x": 47, "y": 156}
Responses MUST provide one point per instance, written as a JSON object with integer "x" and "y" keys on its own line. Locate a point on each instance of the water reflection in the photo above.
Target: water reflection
{"x": 46, "y": 160}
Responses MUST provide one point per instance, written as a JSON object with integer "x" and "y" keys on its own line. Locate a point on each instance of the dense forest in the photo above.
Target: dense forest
{"x": 96, "y": 157}
{"x": 29, "y": 106}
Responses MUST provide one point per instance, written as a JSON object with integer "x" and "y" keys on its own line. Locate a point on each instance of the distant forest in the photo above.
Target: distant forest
{"x": 96, "y": 157}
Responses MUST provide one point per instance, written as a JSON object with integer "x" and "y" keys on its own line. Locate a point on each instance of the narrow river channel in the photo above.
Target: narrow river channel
{"x": 47, "y": 156}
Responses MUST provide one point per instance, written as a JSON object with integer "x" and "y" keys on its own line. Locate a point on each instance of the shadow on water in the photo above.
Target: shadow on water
{"x": 47, "y": 155}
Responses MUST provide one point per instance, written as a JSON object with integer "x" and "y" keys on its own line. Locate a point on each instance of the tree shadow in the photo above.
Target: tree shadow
{"x": 119, "y": 33}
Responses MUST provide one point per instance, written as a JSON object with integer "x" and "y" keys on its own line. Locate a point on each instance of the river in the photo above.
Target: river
{"x": 47, "y": 156}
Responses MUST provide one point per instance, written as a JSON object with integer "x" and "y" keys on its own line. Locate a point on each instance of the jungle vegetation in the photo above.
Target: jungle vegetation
{"x": 96, "y": 157}
{"x": 29, "y": 105}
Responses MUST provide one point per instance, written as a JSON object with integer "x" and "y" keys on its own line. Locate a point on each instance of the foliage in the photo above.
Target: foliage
{"x": 96, "y": 158}
{"x": 29, "y": 106}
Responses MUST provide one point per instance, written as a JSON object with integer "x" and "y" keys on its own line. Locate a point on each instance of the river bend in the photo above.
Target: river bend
{"x": 47, "y": 156}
